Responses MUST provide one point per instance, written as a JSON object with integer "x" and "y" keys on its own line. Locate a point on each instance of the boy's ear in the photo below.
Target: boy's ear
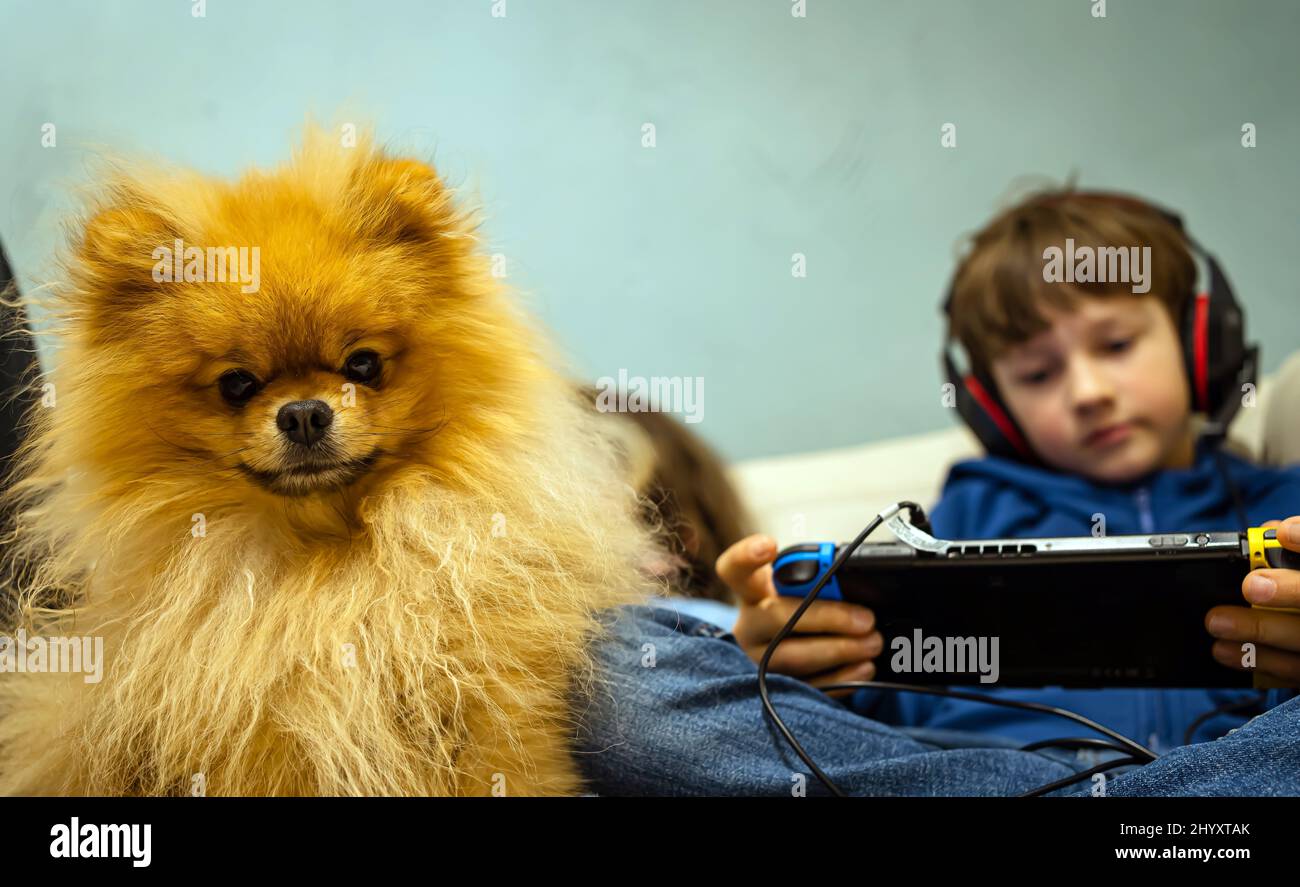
{"x": 402, "y": 201}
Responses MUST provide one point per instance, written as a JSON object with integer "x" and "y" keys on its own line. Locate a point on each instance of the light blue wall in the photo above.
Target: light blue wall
{"x": 776, "y": 135}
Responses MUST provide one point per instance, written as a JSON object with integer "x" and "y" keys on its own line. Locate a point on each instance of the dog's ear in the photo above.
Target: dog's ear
{"x": 123, "y": 242}
{"x": 397, "y": 200}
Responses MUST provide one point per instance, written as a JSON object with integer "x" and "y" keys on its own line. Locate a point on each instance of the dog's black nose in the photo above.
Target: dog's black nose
{"x": 304, "y": 421}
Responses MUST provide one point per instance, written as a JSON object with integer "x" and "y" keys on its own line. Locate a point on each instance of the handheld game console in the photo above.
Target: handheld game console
{"x": 1118, "y": 611}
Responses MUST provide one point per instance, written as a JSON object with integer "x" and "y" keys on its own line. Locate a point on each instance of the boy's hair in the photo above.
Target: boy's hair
{"x": 998, "y": 289}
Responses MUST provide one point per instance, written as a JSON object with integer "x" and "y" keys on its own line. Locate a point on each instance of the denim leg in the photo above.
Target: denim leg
{"x": 1258, "y": 759}
{"x": 677, "y": 712}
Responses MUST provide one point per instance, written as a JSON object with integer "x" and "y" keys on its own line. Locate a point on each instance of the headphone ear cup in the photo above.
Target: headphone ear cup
{"x": 1004, "y": 437}
{"x": 1227, "y": 353}
{"x": 982, "y": 410}
{"x": 1194, "y": 333}
{"x": 1214, "y": 347}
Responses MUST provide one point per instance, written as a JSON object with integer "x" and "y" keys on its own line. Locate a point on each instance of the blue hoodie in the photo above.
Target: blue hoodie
{"x": 994, "y": 497}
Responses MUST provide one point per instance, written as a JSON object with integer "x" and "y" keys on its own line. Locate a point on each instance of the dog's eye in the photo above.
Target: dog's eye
{"x": 362, "y": 366}
{"x": 237, "y": 386}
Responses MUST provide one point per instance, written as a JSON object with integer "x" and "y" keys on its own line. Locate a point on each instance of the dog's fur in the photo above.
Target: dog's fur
{"x": 420, "y": 630}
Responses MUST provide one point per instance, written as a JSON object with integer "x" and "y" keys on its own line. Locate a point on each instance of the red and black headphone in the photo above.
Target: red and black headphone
{"x": 1216, "y": 357}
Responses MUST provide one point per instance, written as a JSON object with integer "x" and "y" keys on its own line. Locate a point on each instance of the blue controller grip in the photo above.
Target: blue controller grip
{"x": 797, "y": 569}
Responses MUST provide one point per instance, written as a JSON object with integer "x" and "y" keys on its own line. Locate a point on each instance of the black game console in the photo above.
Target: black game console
{"x": 1118, "y": 611}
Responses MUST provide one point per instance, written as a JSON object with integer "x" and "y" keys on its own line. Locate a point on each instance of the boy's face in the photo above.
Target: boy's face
{"x": 1103, "y": 392}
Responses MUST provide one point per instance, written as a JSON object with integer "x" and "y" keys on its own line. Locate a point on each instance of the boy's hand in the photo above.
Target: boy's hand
{"x": 1276, "y": 636}
{"x": 834, "y": 641}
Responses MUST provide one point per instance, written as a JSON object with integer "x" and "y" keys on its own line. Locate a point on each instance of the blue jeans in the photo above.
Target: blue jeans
{"x": 675, "y": 711}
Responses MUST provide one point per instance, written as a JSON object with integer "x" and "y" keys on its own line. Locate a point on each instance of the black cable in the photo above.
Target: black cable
{"x": 1258, "y": 699}
{"x": 918, "y": 519}
{"x": 1062, "y": 783}
{"x": 1126, "y": 745}
{"x": 789, "y": 626}
{"x": 1074, "y": 742}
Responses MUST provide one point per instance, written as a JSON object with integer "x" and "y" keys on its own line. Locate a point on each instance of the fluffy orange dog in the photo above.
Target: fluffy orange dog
{"x": 342, "y": 531}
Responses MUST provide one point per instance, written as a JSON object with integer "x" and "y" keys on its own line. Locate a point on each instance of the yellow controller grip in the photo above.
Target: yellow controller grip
{"x": 1266, "y": 551}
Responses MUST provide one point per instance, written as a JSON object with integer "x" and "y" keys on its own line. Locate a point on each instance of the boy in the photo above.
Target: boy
{"x": 1093, "y": 376}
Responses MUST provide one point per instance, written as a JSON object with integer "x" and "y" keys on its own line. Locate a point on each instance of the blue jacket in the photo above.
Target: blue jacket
{"x": 994, "y": 497}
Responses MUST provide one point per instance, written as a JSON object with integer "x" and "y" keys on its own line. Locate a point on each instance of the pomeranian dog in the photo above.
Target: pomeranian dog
{"x": 342, "y": 524}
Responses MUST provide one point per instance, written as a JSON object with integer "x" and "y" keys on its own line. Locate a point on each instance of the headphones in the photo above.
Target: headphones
{"x": 1216, "y": 358}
